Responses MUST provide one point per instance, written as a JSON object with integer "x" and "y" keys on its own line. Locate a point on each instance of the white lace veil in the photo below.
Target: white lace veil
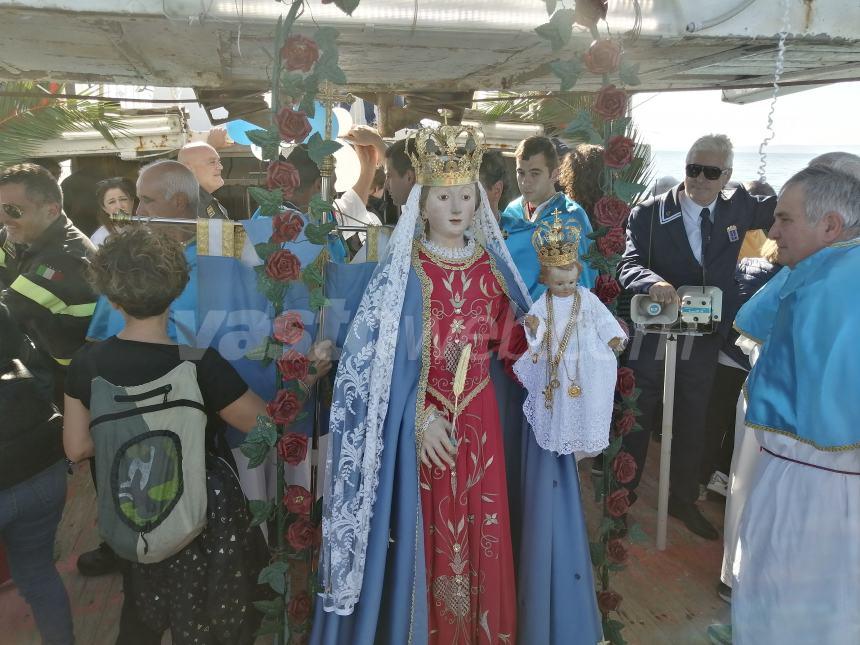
{"x": 360, "y": 403}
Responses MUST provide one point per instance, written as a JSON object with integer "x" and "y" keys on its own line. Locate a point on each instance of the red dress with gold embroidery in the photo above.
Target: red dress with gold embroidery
{"x": 467, "y": 541}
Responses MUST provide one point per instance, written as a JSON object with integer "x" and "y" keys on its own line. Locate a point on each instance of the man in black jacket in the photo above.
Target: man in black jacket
{"x": 688, "y": 236}
{"x": 42, "y": 262}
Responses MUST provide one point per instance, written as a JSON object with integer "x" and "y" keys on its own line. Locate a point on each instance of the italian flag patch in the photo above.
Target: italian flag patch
{"x": 48, "y": 273}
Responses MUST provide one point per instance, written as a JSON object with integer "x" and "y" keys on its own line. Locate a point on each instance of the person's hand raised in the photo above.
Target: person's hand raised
{"x": 362, "y": 135}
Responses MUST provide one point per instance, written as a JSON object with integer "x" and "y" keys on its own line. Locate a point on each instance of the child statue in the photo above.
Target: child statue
{"x": 570, "y": 369}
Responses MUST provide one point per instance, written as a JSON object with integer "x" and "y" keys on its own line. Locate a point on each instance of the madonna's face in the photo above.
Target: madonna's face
{"x": 449, "y": 211}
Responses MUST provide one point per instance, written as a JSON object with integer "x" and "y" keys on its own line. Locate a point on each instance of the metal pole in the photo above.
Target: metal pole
{"x": 666, "y": 441}
{"x": 328, "y": 97}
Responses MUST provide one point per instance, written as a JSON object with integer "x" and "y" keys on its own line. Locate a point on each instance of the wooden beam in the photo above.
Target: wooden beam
{"x": 703, "y": 61}
{"x": 811, "y": 74}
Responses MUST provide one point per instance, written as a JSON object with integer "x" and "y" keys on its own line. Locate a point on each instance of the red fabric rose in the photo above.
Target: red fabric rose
{"x": 612, "y": 243}
{"x": 608, "y": 601}
{"x": 292, "y": 446}
{"x": 618, "y": 152}
{"x": 603, "y": 56}
{"x": 624, "y": 423}
{"x": 283, "y": 266}
{"x": 616, "y": 551}
{"x": 299, "y": 53}
{"x": 297, "y": 499}
{"x": 618, "y": 503}
{"x": 293, "y": 125}
{"x": 588, "y": 12}
{"x": 288, "y": 328}
{"x": 286, "y": 226}
{"x": 611, "y": 103}
{"x": 283, "y": 175}
{"x": 626, "y": 381}
{"x": 606, "y": 288}
{"x": 293, "y": 365}
{"x": 299, "y": 609}
{"x": 624, "y": 467}
{"x": 611, "y": 212}
{"x": 302, "y": 534}
{"x": 284, "y": 408}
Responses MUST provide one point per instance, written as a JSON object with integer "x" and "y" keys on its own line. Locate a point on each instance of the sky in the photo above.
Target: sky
{"x": 824, "y": 116}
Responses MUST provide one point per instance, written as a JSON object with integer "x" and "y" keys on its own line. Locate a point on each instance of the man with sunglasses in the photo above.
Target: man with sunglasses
{"x": 42, "y": 262}
{"x": 688, "y": 236}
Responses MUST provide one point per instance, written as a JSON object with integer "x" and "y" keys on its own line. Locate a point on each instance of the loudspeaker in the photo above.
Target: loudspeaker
{"x": 645, "y": 311}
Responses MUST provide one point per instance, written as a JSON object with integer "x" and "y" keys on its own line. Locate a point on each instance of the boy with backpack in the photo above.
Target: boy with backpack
{"x": 149, "y": 411}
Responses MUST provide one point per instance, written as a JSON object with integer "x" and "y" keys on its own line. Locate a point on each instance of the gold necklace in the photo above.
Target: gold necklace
{"x": 553, "y": 362}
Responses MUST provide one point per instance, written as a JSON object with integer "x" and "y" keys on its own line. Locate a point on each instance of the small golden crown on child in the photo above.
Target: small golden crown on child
{"x": 449, "y": 155}
{"x": 557, "y": 244}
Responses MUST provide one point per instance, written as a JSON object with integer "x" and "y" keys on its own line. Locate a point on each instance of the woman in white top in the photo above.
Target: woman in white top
{"x": 113, "y": 195}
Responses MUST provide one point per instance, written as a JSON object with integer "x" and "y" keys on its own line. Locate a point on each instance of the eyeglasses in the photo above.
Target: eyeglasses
{"x": 13, "y": 211}
{"x": 711, "y": 172}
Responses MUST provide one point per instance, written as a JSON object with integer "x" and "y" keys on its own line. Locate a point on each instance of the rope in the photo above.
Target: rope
{"x": 777, "y": 74}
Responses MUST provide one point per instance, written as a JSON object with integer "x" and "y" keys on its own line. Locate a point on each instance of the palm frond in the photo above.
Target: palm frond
{"x": 26, "y": 123}
{"x": 553, "y": 112}
{"x": 641, "y": 169}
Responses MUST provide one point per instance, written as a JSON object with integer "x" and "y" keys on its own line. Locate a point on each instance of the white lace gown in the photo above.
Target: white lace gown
{"x": 580, "y": 424}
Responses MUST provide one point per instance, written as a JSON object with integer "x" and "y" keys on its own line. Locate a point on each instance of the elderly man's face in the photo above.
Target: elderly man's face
{"x": 792, "y": 231}
{"x": 205, "y": 163}
{"x": 151, "y": 200}
{"x": 701, "y": 189}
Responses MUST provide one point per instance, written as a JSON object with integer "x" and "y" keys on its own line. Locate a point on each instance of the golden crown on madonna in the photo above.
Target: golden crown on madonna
{"x": 449, "y": 155}
{"x": 556, "y": 243}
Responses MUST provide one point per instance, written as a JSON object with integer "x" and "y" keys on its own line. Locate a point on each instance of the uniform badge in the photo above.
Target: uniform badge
{"x": 48, "y": 273}
{"x": 733, "y": 233}
{"x": 9, "y": 249}
{"x": 666, "y": 218}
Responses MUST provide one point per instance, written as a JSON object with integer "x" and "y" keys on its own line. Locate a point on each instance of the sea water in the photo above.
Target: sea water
{"x": 782, "y": 162}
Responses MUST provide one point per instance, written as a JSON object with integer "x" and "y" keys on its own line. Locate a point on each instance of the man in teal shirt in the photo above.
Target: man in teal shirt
{"x": 537, "y": 172}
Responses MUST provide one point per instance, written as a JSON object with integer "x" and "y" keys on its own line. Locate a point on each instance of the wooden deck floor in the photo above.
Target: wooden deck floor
{"x": 669, "y": 596}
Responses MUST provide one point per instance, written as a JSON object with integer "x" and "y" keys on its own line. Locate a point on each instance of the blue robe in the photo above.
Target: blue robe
{"x": 755, "y": 317}
{"x": 798, "y": 385}
{"x": 518, "y": 231}
{"x": 556, "y": 598}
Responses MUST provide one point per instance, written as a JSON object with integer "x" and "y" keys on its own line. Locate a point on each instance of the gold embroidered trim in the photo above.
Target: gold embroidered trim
{"x": 202, "y": 237}
{"x": 503, "y": 284}
{"x": 847, "y": 243}
{"x": 453, "y": 264}
{"x": 426, "y": 293}
{"x": 757, "y": 341}
{"x": 372, "y": 243}
{"x": 449, "y": 405}
{"x": 809, "y": 442}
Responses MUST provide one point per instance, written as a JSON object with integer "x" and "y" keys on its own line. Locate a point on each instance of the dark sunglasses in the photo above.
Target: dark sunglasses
{"x": 711, "y": 172}
{"x": 13, "y": 211}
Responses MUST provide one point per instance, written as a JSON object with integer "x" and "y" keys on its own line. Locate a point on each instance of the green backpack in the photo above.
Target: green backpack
{"x": 150, "y": 464}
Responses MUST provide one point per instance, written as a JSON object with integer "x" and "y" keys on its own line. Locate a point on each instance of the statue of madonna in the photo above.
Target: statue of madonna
{"x": 417, "y": 544}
